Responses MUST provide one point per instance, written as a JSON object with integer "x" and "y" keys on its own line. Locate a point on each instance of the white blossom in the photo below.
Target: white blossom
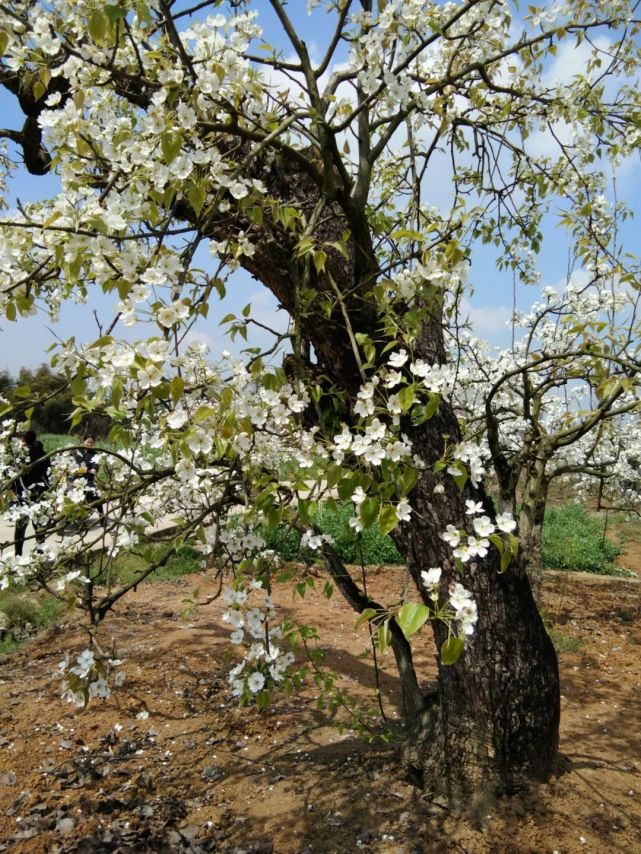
{"x": 505, "y": 522}
{"x": 398, "y": 359}
{"x": 256, "y": 681}
{"x": 452, "y": 536}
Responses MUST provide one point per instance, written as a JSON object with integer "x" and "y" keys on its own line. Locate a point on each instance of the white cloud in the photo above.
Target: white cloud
{"x": 490, "y": 322}
{"x": 572, "y": 59}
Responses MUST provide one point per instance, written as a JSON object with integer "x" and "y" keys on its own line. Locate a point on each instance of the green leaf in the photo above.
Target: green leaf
{"x": 497, "y": 540}
{"x": 226, "y": 397}
{"x": 98, "y": 24}
{"x": 274, "y": 516}
{"x": 78, "y": 386}
{"x": 177, "y": 387}
{"x": 387, "y": 519}
{"x": 168, "y": 195}
{"x": 383, "y": 637}
{"x": 4, "y": 41}
{"x": 304, "y": 246}
{"x": 83, "y": 148}
{"x": 346, "y": 488}
{"x": 117, "y": 388}
{"x": 411, "y": 617}
{"x": 304, "y": 509}
{"x": 333, "y": 475}
{"x": 196, "y": 196}
{"x": 51, "y": 219}
{"x": 406, "y": 397}
{"x": 460, "y": 480}
{"x": 367, "y": 614}
{"x": 203, "y": 413}
{"x": 113, "y": 13}
{"x": 143, "y": 15}
{"x": 506, "y": 560}
{"x": 369, "y": 512}
{"x": 319, "y": 260}
{"x": 170, "y": 143}
{"x": 38, "y": 90}
{"x": 431, "y": 407}
{"x": 410, "y": 479}
{"x": 270, "y": 381}
{"x": 451, "y": 650}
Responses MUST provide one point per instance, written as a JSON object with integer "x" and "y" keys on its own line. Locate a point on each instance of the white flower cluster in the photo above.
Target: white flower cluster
{"x": 240, "y": 538}
{"x": 461, "y": 607}
{"x": 310, "y": 540}
{"x": 477, "y": 545}
{"x": 376, "y": 443}
{"x": 436, "y": 378}
{"x": 464, "y": 607}
{"x": 408, "y": 282}
{"x": 264, "y": 663}
{"x": 24, "y": 569}
{"x": 468, "y": 459}
{"x": 89, "y": 677}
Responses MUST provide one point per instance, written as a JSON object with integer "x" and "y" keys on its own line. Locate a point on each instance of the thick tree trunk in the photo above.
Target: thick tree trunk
{"x": 492, "y": 727}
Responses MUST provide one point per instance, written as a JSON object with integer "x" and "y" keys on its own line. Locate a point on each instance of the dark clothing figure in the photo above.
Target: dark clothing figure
{"x": 30, "y": 487}
{"x": 88, "y": 469}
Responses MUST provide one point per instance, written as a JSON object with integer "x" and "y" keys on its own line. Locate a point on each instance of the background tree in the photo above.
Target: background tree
{"x": 6, "y": 382}
{"x": 46, "y": 397}
{"x": 170, "y": 134}
{"x": 43, "y": 398}
{"x": 558, "y": 403}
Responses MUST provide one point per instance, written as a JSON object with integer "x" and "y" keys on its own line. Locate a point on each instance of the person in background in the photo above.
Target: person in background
{"x": 88, "y": 468}
{"x": 30, "y": 486}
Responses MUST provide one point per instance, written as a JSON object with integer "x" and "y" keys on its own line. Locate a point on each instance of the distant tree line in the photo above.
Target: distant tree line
{"x": 46, "y": 401}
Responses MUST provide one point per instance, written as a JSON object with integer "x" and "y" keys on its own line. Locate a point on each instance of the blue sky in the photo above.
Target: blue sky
{"x": 26, "y": 342}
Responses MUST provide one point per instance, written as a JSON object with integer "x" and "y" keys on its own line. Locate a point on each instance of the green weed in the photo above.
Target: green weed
{"x": 563, "y": 643}
{"x": 127, "y": 566}
{"x": 59, "y": 441}
{"x": 377, "y": 548}
{"x": 24, "y": 615}
{"x": 573, "y": 539}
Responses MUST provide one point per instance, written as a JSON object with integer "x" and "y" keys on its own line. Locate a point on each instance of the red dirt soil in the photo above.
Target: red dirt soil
{"x": 199, "y": 774}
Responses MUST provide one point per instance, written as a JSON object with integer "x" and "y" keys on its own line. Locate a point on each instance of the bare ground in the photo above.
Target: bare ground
{"x": 199, "y": 774}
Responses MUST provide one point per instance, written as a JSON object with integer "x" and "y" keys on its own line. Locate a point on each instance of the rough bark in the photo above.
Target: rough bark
{"x": 531, "y": 518}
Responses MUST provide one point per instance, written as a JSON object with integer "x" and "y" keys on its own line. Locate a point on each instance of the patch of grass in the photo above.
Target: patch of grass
{"x": 56, "y": 441}
{"x": 23, "y": 615}
{"x": 376, "y": 547}
{"x": 564, "y": 643}
{"x": 128, "y": 565}
{"x": 573, "y": 539}
{"x": 629, "y": 525}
